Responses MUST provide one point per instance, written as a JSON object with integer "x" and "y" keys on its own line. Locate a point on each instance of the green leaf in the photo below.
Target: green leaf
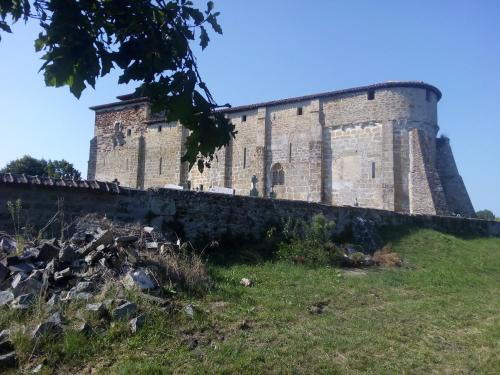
{"x": 204, "y": 39}
{"x": 210, "y": 6}
{"x": 213, "y": 21}
{"x": 5, "y": 27}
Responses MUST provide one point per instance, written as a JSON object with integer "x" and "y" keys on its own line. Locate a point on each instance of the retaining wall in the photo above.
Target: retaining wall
{"x": 199, "y": 216}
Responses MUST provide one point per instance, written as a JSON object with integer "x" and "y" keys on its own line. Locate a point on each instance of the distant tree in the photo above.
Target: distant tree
{"x": 62, "y": 169}
{"x": 149, "y": 40}
{"x": 39, "y": 167}
{"x": 27, "y": 165}
{"x": 485, "y": 215}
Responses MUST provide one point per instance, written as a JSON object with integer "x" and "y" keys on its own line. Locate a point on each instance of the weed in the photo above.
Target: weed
{"x": 307, "y": 243}
{"x": 15, "y": 209}
{"x": 184, "y": 268}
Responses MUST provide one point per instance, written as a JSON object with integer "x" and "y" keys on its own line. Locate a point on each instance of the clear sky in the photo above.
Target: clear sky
{"x": 284, "y": 48}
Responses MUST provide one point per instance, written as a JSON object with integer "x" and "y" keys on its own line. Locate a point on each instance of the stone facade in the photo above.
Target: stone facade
{"x": 373, "y": 146}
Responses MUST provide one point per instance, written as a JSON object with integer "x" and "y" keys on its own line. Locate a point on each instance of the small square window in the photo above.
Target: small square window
{"x": 428, "y": 95}
{"x": 243, "y": 118}
{"x": 159, "y": 128}
{"x": 299, "y": 111}
{"x": 371, "y": 94}
{"x": 129, "y": 132}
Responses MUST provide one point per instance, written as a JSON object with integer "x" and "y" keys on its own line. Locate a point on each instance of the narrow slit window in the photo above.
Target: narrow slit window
{"x": 159, "y": 128}
{"x": 127, "y": 164}
{"x": 373, "y": 169}
{"x": 160, "y": 166}
{"x": 371, "y": 94}
{"x": 244, "y": 158}
{"x": 290, "y": 153}
{"x": 129, "y": 132}
{"x": 201, "y": 187}
{"x": 299, "y": 111}
{"x": 428, "y": 95}
{"x": 244, "y": 118}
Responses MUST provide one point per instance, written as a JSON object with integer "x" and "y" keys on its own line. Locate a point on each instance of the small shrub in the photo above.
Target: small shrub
{"x": 307, "y": 243}
{"x": 357, "y": 258}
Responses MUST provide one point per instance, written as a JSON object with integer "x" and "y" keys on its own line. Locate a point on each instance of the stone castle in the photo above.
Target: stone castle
{"x": 373, "y": 146}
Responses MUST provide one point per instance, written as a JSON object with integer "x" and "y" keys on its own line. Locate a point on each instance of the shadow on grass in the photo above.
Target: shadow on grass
{"x": 234, "y": 251}
{"x": 394, "y": 233}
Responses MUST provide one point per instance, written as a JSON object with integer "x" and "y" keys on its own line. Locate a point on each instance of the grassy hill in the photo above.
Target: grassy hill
{"x": 439, "y": 313}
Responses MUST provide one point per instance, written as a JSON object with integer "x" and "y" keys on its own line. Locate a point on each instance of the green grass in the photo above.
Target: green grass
{"x": 439, "y": 313}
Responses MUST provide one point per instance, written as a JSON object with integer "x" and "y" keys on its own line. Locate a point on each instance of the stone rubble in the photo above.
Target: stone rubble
{"x": 56, "y": 272}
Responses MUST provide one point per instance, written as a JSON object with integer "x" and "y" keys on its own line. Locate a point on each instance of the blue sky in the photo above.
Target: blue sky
{"x": 283, "y": 48}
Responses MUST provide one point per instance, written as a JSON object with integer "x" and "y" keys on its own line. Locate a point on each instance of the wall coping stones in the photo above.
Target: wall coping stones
{"x": 22, "y": 179}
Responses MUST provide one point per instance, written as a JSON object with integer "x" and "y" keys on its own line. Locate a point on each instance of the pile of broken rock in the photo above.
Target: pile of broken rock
{"x": 53, "y": 273}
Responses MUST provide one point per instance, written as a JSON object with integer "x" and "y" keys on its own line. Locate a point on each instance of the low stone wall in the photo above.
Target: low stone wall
{"x": 199, "y": 216}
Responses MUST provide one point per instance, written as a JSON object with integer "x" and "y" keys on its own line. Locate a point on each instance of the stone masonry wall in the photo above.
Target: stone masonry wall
{"x": 245, "y": 152}
{"x": 295, "y": 143}
{"x": 199, "y": 216}
{"x": 454, "y": 188}
{"x": 119, "y": 144}
{"x": 163, "y": 143}
{"x": 426, "y": 191}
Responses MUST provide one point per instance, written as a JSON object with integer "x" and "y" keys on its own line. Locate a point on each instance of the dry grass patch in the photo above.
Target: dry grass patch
{"x": 387, "y": 258}
{"x": 182, "y": 267}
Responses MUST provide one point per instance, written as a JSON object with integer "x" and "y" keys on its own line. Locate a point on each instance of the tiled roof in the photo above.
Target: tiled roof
{"x": 129, "y": 98}
{"x": 22, "y": 179}
{"x": 384, "y": 85}
{"x": 120, "y": 103}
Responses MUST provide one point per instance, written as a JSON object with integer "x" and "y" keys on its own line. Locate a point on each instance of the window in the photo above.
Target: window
{"x": 159, "y": 128}
{"x": 129, "y": 132}
{"x": 428, "y": 95}
{"x": 373, "y": 169}
{"x": 278, "y": 174}
{"x": 201, "y": 187}
{"x": 159, "y": 168}
{"x": 290, "y": 154}
{"x": 244, "y": 158}
{"x": 244, "y": 118}
{"x": 299, "y": 111}
{"x": 127, "y": 164}
{"x": 371, "y": 94}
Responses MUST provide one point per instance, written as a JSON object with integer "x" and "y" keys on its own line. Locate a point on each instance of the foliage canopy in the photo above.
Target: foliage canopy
{"x": 149, "y": 41}
{"x": 485, "y": 215}
{"x": 40, "y": 167}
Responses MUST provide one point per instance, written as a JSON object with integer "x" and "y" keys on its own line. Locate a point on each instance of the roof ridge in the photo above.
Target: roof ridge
{"x": 130, "y": 99}
{"x": 381, "y": 85}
